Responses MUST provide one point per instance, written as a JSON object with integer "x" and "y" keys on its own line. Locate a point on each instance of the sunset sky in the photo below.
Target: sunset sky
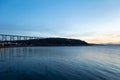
{"x": 95, "y": 21}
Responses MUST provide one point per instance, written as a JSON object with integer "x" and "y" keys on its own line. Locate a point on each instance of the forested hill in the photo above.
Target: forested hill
{"x": 54, "y": 42}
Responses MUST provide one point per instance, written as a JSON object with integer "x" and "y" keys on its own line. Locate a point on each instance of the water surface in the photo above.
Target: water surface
{"x": 60, "y": 63}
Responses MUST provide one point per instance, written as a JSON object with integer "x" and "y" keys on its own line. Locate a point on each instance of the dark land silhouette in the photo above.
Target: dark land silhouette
{"x": 46, "y": 42}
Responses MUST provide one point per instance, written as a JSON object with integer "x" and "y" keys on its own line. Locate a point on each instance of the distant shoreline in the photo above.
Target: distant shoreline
{"x": 44, "y": 42}
{"x": 57, "y": 46}
{"x": 48, "y": 42}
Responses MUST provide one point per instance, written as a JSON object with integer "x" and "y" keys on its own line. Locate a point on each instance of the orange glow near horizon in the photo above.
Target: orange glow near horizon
{"x": 101, "y": 39}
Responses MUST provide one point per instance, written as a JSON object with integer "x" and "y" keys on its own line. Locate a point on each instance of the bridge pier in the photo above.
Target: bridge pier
{"x": 4, "y": 38}
{"x": 11, "y": 38}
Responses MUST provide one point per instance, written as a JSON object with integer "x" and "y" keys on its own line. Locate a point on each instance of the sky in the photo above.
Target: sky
{"x": 95, "y": 21}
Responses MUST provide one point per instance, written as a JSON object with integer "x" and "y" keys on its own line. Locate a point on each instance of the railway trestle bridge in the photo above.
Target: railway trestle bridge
{"x": 10, "y": 40}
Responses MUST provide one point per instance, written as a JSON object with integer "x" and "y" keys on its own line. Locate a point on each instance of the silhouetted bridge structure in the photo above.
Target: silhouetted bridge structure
{"x": 9, "y": 40}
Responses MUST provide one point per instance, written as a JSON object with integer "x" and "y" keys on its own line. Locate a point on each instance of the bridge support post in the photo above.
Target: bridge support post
{"x": 11, "y": 38}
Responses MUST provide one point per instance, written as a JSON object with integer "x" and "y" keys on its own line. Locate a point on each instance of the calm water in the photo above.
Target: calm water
{"x": 60, "y": 63}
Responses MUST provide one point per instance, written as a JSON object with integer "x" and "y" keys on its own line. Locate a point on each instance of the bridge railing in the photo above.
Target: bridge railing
{"x": 4, "y": 37}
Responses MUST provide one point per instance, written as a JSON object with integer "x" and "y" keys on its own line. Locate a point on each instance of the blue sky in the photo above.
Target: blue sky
{"x": 95, "y": 21}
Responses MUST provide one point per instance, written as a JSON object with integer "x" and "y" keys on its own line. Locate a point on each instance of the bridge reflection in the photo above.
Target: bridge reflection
{"x": 17, "y": 52}
{"x": 26, "y": 52}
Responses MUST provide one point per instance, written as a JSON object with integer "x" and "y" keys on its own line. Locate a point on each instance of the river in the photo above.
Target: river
{"x": 60, "y": 63}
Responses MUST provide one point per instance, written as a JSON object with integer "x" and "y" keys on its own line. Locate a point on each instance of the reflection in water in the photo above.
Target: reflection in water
{"x": 16, "y": 52}
{"x": 60, "y": 63}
